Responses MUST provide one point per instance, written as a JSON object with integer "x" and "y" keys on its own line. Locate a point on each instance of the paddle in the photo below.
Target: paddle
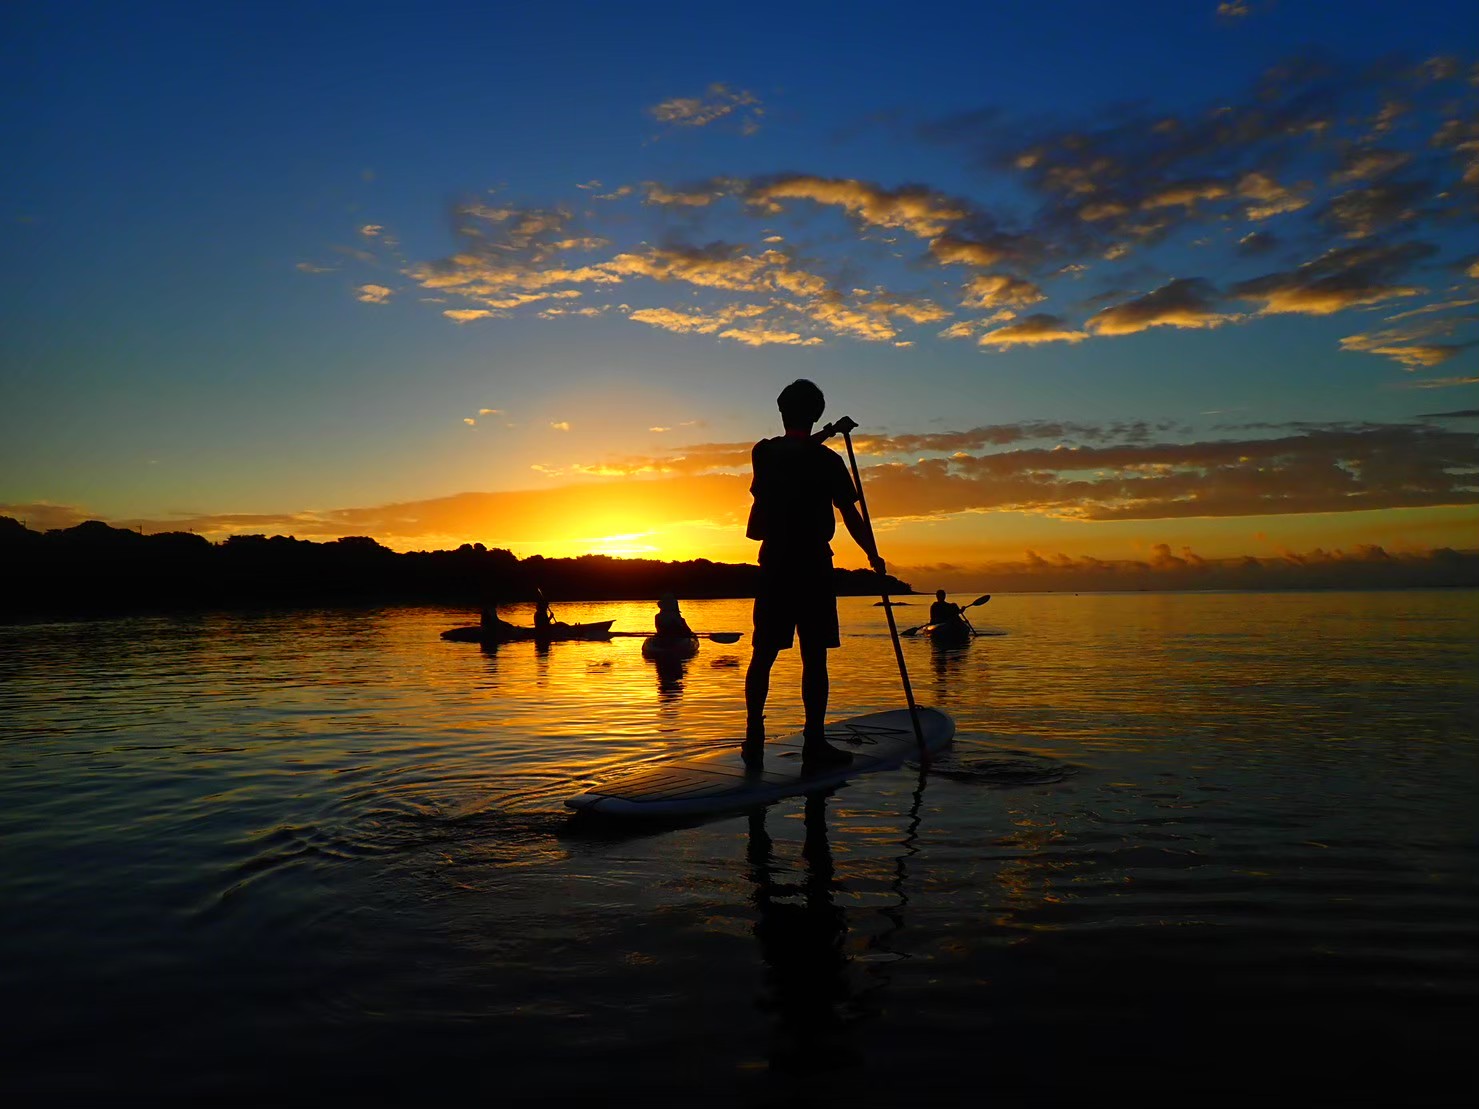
{"x": 845, "y": 425}
{"x": 717, "y": 637}
{"x": 973, "y": 604}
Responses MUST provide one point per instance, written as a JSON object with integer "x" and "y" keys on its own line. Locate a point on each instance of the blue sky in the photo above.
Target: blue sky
{"x": 266, "y": 266}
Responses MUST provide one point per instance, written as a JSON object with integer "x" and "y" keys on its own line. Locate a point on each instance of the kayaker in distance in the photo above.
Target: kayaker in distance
{"x": 669, "y": 620}
{"x": 493, "y": 625}
{"x": 543, "y": 621}
{"x": 943, "y": 611}
{"x": 797, "y": 482}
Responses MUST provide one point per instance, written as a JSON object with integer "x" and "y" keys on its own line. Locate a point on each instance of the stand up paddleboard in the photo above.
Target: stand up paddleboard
{"x": 719, "y": 781}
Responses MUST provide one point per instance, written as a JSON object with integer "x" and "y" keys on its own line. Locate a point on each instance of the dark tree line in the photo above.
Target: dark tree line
{"x": 95, "y": 569}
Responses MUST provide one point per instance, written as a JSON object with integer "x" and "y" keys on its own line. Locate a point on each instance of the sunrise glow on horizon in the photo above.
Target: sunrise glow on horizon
{"x": 1211, "y": 293}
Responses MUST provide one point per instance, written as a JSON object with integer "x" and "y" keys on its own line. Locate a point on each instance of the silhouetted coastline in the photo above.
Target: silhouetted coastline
{"x": 94, "y": 569}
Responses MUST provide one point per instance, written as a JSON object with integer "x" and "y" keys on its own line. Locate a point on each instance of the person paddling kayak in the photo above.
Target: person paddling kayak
{"x": 669, "y": 620}
{"x": 494, "y": 626}
{"x": 797, "y": 483}
{"x": 943, "y": 611}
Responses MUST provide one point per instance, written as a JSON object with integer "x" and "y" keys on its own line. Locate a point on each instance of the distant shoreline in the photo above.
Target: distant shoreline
{"x": 97, "y": 570}
{"x": 94, "y": 570}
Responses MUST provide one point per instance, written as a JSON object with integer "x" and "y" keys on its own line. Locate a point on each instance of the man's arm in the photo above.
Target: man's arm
{"x": 853, "y": 520}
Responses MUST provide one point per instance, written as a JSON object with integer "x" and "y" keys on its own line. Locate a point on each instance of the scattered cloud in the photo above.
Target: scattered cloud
{"x": 696, "y": 322}
{"x": 1185, "y": 302}
{"x": 914, "y": 208}
{"x": 954, "y": 249}
{"x": 1266, "y": 197}
{"x": 762, "y": 336}
{"x": 309, "y": 267}
{"x": 1412, "y": 344}
{"x": 998, "y": 290}
{"x": 1342, "y": 278}
{"x": 1369, "y": 174}
{"x": 1440, "y": 382}
{"x": 560, "y": 425}
{"x": 1040, "y": 327}
{"x": 699, "y": 196}
{"x": 373, "y": 294}
{"x": 719, "y": 102}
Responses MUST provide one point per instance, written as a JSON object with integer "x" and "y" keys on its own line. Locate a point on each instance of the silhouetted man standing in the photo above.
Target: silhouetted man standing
{"x": 797, "y": 482}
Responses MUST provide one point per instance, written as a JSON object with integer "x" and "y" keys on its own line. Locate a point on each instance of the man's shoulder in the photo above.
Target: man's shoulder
{"x": 790, "y": 447}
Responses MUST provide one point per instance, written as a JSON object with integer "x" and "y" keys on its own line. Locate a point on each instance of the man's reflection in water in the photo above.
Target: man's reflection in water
{"x": 801, "y": 933}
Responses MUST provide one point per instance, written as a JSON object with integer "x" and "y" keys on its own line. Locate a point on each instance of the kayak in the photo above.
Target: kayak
{"x": 510, "y": 633}
{"x": 955, "y": 633}
{"x": 662, "y": 647}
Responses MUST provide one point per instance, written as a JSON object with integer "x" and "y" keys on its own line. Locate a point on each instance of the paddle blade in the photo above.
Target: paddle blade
{"x": 725, "y": 637}
{"x": 979, "y": 601}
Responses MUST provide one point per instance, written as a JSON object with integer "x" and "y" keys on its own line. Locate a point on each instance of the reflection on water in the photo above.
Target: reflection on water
{"x": 239, "y": 849}
{"x": 669, "y": 678}
{"x": 801, "y": 931}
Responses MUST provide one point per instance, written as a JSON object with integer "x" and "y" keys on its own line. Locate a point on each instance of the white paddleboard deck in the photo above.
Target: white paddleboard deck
{"x": 719, "y": 781}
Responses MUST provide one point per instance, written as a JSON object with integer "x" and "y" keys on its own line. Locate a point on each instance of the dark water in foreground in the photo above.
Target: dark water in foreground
{"x": 1187, "y": 850}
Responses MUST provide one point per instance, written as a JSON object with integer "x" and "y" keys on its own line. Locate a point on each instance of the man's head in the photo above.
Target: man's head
{"x": 801, "y": 404}
{"x": 939, "y": 594}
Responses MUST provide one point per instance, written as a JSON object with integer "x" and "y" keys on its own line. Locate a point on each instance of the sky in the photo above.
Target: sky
{"x": 1146, "y": 282}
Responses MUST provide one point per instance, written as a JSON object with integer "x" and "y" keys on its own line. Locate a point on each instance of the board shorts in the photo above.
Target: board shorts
{"x": 795, "y": 598}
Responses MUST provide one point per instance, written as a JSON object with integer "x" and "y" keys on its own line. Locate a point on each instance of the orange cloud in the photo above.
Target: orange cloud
{"x": 763, "y": 336}
{"x": 996, "y": 290}
{"x": 1037, "y": 328}
{"x": 1185, "y": 302}
{"x": 913, "y": 208}
{"x": 717, "y": 103}
{"x": 696, "y": 322}
{"x": 1341, "y": 278}
{"x": 1411, "y": 345}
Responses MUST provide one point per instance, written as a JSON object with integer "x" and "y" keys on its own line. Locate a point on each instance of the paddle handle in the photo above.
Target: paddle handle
{"x": 845, "y": 426}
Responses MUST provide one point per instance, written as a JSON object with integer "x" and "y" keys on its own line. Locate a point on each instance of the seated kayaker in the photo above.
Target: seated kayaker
{"x": 669, "y": 621}
{"x": 943, "y": 611}
{"x": 543, "y": 620}
{"x": 492, "y": 624}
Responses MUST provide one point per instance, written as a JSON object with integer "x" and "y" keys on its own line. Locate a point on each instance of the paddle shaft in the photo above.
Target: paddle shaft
{"x": 888, "y": 609}
{"x": 717, "y": 637}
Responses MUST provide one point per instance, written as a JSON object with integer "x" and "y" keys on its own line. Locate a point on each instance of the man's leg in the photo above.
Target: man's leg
{"x": 814, "y": 690}
{"x": 757, "y": 689}
{"x": 817, "y": 630}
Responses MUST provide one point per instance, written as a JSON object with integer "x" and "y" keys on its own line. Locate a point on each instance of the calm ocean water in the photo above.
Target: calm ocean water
{"x": 1187, "y": 849}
